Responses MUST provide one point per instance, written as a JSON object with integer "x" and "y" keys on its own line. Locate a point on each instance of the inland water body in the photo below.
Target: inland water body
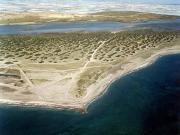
{"x": 156, "y": 25}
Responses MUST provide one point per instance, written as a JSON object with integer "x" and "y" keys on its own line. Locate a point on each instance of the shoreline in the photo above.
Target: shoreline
{"x": 148, "y": 62}
{"x": 98, "y": 89}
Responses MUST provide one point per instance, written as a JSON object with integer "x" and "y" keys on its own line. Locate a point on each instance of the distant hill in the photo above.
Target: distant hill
{"x": 116, "y": 16}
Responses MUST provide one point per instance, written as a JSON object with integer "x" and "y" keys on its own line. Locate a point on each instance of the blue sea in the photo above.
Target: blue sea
{"x": 145, "y": 102}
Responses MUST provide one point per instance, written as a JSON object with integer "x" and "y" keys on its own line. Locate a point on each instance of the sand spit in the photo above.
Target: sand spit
{"x": 71, "y": 70}
{"x": 97, "y": 90}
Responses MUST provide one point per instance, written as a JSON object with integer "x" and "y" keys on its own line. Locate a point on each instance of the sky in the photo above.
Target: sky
{"x": 171, "y": 7}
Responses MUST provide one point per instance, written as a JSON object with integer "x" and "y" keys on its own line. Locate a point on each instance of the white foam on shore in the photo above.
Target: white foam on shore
{"x": 84, "y": 6}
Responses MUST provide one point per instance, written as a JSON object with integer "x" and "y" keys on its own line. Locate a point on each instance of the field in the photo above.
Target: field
{"x": 60, "y": 68}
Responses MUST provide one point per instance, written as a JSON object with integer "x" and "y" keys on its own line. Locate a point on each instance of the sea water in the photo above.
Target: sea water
{"x": 145, "y": 102}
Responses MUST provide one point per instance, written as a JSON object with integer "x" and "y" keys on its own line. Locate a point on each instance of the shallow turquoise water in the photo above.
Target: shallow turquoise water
{"x": 146, "y": 102}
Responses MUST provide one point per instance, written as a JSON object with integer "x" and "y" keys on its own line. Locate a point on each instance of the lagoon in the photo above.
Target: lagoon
{"x": 156, "y": 25}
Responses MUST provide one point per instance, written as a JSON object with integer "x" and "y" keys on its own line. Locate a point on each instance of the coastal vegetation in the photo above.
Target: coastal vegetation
{"x": 79, "y": 46}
